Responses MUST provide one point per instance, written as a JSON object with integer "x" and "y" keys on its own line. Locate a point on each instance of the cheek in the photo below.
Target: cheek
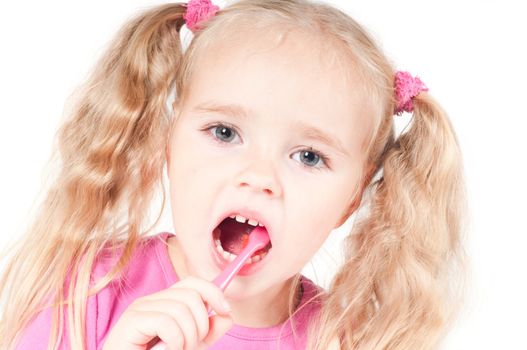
{"x": 195, "y": 172}
{"x": 321, "y": 202}
{"x": 181, "y": 169}
{"x": 316, "y": 210}
{"x": 184, "y": 174}
{"x": 311, "y": 216}
{"x": 186, "y": 158}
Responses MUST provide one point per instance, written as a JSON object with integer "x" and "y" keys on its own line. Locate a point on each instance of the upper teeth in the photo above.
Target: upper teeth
{"x": 242, "y": 219}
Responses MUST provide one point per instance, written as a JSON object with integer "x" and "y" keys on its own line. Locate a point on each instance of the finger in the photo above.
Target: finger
{"x": 195, "y": 303}
{"x": 172, "y": 336}
{"x": 219, "y": 325}
{"x": 149, "y": 324}
{"x": 178, "y": 311}
{"x": 209, "y": 292}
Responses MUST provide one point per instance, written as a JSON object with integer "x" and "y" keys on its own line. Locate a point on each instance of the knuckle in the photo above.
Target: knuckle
{"x": 164, "y": 318}
{"x": 194, "y": 294}
{"x": 178, "y": 310}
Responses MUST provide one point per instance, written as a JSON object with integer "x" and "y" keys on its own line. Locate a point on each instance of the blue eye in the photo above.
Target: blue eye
{"x": 309, "y": 158}
{"x": 222, "y": 133}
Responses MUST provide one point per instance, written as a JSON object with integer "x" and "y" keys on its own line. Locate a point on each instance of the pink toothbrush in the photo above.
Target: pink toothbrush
{"x": 258, "y": 238}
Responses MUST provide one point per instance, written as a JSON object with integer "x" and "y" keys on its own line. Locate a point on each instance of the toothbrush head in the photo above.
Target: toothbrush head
{"x": 258, "y": 238}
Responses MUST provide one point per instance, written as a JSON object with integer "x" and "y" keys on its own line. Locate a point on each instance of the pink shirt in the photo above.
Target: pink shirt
{"x": 151, "y": 270}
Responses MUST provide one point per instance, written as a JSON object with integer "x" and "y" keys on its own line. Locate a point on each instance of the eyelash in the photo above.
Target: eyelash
{"x": 325, "y": 159}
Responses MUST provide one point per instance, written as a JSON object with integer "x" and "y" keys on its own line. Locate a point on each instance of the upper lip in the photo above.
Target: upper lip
{"x": 248, "y": 214}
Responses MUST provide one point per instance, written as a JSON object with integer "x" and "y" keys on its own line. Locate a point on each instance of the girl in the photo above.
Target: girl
{"x": 282, "y": 117}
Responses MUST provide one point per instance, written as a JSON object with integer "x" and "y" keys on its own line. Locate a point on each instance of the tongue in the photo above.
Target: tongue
{"x": 234, "y": 235}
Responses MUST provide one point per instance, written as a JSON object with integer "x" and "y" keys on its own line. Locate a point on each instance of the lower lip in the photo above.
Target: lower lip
{"x": 247, "y": 269}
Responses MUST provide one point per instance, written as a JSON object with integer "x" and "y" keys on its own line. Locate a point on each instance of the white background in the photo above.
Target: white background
{"x": 470, "y": 53}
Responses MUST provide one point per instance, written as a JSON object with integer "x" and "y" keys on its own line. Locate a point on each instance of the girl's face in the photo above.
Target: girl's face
{"x": 276, "y": 134}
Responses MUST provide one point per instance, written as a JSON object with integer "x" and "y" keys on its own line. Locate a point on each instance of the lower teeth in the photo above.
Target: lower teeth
{"x": 231, "y": 257}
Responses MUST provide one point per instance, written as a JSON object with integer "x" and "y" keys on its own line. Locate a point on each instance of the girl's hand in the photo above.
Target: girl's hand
{"x": 177, "y": 315}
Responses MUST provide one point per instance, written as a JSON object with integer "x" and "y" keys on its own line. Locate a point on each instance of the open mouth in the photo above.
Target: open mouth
{"x": 231, "y": 237}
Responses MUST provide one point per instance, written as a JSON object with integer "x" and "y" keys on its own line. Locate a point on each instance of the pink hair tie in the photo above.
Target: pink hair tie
{"x": 198, "y": 11}
{"x": 406, "y": 88}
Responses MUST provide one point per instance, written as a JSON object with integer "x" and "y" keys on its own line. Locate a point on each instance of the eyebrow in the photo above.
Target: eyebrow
{"x": 306, "y": 130}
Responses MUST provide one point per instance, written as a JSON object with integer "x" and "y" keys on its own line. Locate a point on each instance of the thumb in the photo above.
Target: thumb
{"x": 218, "y": 326}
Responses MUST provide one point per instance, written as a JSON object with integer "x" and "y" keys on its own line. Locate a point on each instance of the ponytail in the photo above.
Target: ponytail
{"x": 394, "y": 290}
{"x": 112, "y": 151}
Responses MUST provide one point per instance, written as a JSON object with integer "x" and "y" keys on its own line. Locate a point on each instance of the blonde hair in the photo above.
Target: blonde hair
{"x": 397, "y": 286}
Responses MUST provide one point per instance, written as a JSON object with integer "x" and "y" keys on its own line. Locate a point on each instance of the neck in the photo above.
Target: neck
{"x": 267, "y": 309}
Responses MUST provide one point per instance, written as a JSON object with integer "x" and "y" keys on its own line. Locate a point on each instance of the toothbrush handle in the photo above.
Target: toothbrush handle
{"x": 225, "y": 277}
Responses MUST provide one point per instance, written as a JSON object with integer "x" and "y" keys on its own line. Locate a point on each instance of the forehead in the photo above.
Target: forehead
{"x": 286, "y": 78}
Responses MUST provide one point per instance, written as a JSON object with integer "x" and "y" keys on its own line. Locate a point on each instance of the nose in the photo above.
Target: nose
{"x": 260, "y": 176}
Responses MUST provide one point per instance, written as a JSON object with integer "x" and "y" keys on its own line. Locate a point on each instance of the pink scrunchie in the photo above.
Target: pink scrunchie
{"x": 198, "y": 11}
{"x": 406, "y": 88}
